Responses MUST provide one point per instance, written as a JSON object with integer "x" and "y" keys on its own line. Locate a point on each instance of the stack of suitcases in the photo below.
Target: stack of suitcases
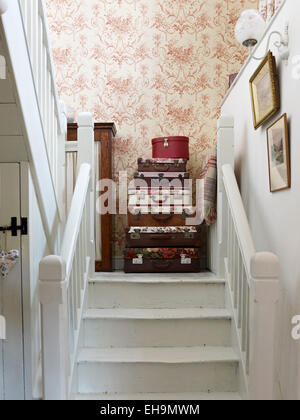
{"x": 158, "y": 238}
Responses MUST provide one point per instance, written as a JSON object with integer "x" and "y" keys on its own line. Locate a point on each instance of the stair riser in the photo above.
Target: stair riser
{"x": 157, "y": 333}
{"x": 157, "y": 377}
{"x": 174, "y": 295}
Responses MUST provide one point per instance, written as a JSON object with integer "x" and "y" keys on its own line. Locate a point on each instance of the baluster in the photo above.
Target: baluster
{"x": 233, "y": 259}
{"x": 229, "y": 222}
{"x": 248, "y": 329}
{"x": 241, "y": 288}
{"x": 236, "y": 272}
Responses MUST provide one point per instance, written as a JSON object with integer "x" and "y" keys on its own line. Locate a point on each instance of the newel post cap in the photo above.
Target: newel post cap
{"x": 264, "y": 265}
{"x": 85, "y": 119}
{"x": 52, "y": 269}
{"x": 225, "y": 121}
{"x": 3, "y": 6}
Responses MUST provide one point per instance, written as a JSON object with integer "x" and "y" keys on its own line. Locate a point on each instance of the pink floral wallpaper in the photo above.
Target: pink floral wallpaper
{"x": 154, "y": 67}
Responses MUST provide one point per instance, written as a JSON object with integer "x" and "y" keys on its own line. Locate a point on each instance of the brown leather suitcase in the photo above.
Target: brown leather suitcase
{"x": 162, "y": 165}
{"x": 172, "y": 236}
{"x": 163, "y": 260}
{"x": 162, "y": 179}
{"x": 149, "y": 219}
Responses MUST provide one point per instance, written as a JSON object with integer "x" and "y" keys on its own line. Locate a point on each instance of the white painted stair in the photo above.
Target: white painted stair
{"x": 157, "y": 337}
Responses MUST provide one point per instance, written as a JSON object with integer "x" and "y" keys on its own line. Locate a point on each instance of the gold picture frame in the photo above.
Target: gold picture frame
{"x": 279, "y": 155}
{"x": 264, "y": 89}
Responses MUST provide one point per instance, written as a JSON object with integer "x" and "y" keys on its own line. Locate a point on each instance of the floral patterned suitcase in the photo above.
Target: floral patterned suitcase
{"x": 172, "y": 236}
{"x": 162, "y": 165}
{"x": 171, "y": 147}
{"x": 163, "y": 179}
{"x": 159, "y": 260}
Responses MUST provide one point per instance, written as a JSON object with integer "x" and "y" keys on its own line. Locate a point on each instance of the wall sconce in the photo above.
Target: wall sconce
{"x": 250, "y": 29}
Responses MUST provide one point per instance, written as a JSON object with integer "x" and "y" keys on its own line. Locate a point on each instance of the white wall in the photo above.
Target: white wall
{"x": 274, "y": 218}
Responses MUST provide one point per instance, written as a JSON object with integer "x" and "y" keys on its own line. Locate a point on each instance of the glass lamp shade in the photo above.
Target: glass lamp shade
{"x": 250, "y": 28}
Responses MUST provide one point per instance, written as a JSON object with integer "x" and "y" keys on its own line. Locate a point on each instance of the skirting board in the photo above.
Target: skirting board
{"x": 118, "y": 263}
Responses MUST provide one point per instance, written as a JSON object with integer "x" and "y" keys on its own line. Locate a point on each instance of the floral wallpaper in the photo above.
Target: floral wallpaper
{"x": 268, "y": 8}
{"x": 154, "y": 67}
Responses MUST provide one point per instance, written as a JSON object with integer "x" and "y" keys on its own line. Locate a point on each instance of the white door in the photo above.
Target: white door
{"x": 11, "y": 349}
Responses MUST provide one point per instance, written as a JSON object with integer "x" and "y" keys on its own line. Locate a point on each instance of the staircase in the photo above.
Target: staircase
{"x": 159, "y": 337}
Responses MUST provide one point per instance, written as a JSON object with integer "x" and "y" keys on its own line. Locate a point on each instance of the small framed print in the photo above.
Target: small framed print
{"x": 264, "y": 88}
{"x": 279, "y": 155}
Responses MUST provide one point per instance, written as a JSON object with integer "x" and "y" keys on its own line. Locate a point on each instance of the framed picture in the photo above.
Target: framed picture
{"x": 279, "y": 155}
{"x": 264, "y": 88}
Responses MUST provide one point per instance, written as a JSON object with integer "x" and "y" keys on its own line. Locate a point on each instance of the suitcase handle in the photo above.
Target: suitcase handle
{"x": 162, "y": 265}
{"x": 162, "y": 168}
{"x": 159, "y": 200}
{"x": 161, "y": 236}
{"x": 162, "y": 217}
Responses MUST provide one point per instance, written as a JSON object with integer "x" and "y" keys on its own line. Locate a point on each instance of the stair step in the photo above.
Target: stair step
{"x": 178, "y": 313}
{"x": 125, "y": 370}
{"x": 188, "y": 396}
{"x": 158, "y": 355}
{"x": 157, "y": 327}
{"x": 118, "y": 290}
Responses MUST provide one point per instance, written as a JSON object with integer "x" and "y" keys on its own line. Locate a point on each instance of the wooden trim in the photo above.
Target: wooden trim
{"x": 288, "y": 165}
{"x": 271, "y": 62}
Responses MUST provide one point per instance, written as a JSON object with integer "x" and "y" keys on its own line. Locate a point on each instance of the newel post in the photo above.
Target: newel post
{"x": 225, "y": 155}
{"x": 86, "y": 154}
{"x": 53, "y": 299}
{"x": 263, "y": 307}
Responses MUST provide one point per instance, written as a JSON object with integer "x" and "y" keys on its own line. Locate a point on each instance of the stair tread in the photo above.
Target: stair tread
{"x": 157, "y": 278}
{"x": 186, "y": 396}
{"x": 158, "y": 355}
{"x": 177, "y": 313}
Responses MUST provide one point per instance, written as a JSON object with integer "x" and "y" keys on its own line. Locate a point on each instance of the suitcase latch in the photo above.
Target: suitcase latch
{"x": 138, "y": 260}
{"x": 135, "y": 236}
{"x": 166, "y": 143}
{"x": 185, "y": 261}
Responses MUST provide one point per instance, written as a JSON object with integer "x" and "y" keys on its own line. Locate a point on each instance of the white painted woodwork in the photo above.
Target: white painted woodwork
{"x": 176, "y": 396}
{"x": 29, "y": 115}
{"x": 252, "y": 278}
{"x": 63, "y": 284}
{"x": 195, "y": 369}
{"x": 2, "y": 328}
{"x": 117, "y": 290}
{"x": 157, "y": 328}
{"x": 11, "y": 350}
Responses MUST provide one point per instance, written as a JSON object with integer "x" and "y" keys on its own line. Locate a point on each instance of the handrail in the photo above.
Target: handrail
{"x": 238, "y": 212}
{"x": 252, "y": 278}
{"x": 75, "y": 217}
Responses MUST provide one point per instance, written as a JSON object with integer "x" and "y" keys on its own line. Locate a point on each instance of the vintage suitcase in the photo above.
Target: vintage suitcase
{"x": 154, "y": 197}
{"x": 163, "y": 179}
{"x": 163, "y": 260}
{"x": 181, "y": 236}
{"x": 170, "y": 147}
{"x": 136, "y": 217}
{"x": 162, "y": 165}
